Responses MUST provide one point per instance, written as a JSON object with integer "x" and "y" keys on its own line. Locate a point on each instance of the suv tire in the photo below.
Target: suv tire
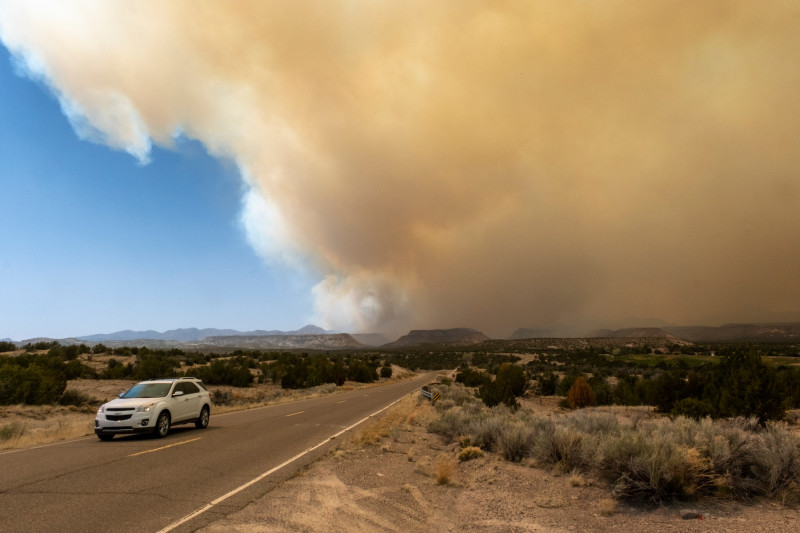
{"x": 202, "y": 422}
{"x": 162, "y": 425}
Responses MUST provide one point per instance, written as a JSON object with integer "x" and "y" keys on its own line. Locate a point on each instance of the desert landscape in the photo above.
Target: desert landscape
{"x": 399, "y": 473}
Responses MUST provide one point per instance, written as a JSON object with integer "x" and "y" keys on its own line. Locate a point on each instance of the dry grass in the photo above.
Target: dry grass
{"x": 390, "y": 425}
{"x": 23, "y": 426}
{"x": 607, "y": 507}
{"x": 444, "y": 470}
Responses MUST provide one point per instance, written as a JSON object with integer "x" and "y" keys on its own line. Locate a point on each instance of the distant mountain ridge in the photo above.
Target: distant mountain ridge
{"x": 420, "y": 337}
{"x": 770, "y": 332}
{"x": 195, "y": 334}
{"x": 333, "y": 341}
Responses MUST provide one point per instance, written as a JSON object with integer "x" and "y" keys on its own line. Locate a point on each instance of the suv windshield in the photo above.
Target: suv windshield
{"x": 148, "y": 390}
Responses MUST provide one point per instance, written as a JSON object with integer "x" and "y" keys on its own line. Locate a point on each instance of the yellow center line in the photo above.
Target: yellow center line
{"x": 341, "y": 401}
{"x": 297, "y": 413}
{"x": 164, "y": 447}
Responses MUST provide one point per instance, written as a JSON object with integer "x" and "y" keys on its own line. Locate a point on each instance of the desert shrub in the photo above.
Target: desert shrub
{"x": 444, "y": 469}
{"x": 115, "y": 369}
{"x": 693, "y": 408}
{"x": 780, "y": 458}
{"x": 560, "y": 446}
{"x": 76, "y": 398}
{"x": 386, "y": 371}
{"x": 74, "y": 369}
{"x": 485, "y": 431}
{"x": 594, "y": 423}
{"x": 580, "y": 394}
{"x": 456, "y": 396}
{"x": 515, "y": 441}
{"x": 233, "y": 372}
{"x": 152, "y": 366}
{"x": 452, "y": 424}
{"x": 32, "y": 384}
{"x": 641, "y": 469}
{"x": 13, "y": 430}
{"x": 645, "y": 459}
{"x": 470, "y": 452}
{"x": 222, "y": 397}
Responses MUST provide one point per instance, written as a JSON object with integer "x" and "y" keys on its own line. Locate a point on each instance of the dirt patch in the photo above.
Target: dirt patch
{"x": 387, "y": 477}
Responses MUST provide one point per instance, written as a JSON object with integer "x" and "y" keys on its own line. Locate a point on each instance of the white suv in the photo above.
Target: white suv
{"x": 154, "y": 406}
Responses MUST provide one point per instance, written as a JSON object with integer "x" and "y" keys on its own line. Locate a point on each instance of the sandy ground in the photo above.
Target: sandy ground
{"x": 386, "y": 478}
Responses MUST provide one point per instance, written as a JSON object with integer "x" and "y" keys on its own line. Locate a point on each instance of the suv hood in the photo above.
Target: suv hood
{"x": 130, "y": 402}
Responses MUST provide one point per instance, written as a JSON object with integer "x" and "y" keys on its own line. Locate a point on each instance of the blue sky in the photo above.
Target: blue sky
{"x": 91, "y": 241}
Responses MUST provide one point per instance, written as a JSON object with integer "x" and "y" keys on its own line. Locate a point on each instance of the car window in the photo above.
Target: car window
{"x": 148, "y": 390}
{"x": 190, "y": 388}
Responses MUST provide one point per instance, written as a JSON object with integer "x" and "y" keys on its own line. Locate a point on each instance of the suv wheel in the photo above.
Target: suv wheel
{"x": 162, "y": 425}
{"x": 105, "y": 436}
{"x": 202, "y": 422}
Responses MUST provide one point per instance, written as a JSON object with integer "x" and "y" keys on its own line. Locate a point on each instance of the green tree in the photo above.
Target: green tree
{"x": 746, "y": 386}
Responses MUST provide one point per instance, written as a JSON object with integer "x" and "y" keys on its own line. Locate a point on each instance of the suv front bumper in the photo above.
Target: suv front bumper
{"x": 136, "y": 423}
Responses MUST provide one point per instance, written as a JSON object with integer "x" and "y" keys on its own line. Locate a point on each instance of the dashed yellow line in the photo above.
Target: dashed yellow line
{"x": 164, "y": 447}
{"x": 297, "y": 413}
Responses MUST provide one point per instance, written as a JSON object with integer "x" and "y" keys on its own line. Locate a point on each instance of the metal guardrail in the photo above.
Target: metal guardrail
{"x": 429, "y": 394}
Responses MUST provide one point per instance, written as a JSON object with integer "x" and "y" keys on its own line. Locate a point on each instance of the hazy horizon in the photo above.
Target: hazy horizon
{"x": 397, "y": 165}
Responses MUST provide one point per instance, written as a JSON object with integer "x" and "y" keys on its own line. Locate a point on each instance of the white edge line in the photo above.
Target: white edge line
{"x": 255, "y": 480}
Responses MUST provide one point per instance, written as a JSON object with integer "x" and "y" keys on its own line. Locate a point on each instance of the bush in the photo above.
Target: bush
{"x": 153, "y": 366}
{"x": 32, "y": 384}
{"x": 76, "y": 398}
{"x": 560, "y": 446}
{"x": 444, "y": 469}
{"x": 233, "y": 372}
{"x": 580, "y": 394}
{"x": 469, "y": 453}
{"x": 361, "y": 372}
{"x": 645, "y": 460}
{"x": 692, "y": 408}
{"x": 386, "y": 371}
{"x": 221, "y": 397}
{"x": 13, "y": 430}
{"x": 453, "y": 423}
{"x": 486, "y": 431}
{"x": 514, "y": 443}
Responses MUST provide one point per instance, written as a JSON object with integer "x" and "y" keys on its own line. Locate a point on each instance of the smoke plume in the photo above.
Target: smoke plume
{"x": 483, "y": 164}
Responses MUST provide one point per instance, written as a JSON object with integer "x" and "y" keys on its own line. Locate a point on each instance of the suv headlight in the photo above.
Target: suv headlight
{"x": 145, "y": 408}
{"x": 101, "y": 409}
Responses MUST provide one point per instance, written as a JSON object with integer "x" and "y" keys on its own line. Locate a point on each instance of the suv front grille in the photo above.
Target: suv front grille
{"x": 117, "y": 418}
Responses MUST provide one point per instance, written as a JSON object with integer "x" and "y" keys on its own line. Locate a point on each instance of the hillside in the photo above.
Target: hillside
{"x": 336, "y": 341}
{"x": 421, "y": 337}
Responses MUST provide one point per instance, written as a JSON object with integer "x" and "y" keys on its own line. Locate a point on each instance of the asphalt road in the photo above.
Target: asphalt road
{"x": 140, "y": 483}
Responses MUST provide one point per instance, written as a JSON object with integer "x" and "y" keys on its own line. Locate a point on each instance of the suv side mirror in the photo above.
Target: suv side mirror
{"x": 177, "y": 393}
